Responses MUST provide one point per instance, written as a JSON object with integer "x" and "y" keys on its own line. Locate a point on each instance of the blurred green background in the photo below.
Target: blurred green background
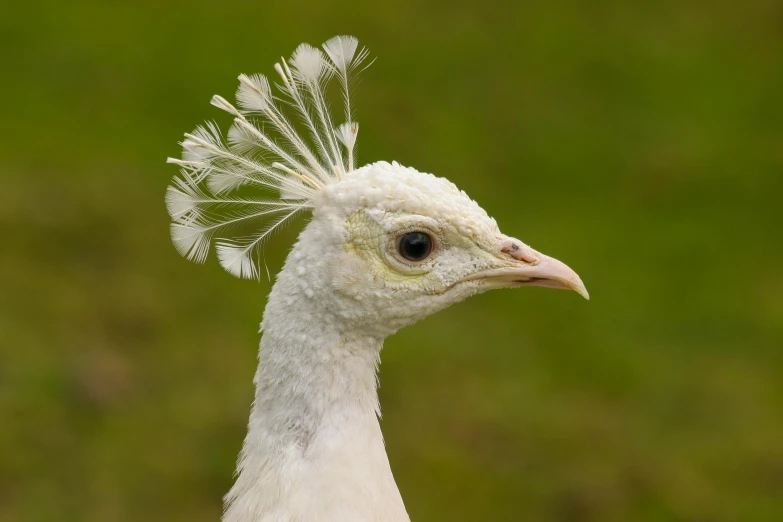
{"x": 641, "y": 142}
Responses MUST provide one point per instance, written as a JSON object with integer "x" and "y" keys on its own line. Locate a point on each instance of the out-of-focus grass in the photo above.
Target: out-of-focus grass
{"x": 640, "y": 142}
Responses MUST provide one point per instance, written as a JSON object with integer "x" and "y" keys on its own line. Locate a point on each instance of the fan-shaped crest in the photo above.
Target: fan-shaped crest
{"x": 213, "y": 197}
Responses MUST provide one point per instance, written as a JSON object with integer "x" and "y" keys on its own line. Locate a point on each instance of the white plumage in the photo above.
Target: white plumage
{"x": 386, "y": 246}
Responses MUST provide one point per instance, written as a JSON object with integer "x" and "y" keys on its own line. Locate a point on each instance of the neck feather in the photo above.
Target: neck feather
{"x": 314, "y": 449}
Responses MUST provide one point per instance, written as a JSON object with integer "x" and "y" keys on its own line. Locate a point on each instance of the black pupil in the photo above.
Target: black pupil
{"x": 415, "y": 246}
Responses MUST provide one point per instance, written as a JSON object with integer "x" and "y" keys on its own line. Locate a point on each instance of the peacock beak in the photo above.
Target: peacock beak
{"x": 526, "y": 267}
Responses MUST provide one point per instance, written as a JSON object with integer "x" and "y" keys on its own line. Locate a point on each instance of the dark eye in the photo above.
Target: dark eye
{"x": 414, "y": 246}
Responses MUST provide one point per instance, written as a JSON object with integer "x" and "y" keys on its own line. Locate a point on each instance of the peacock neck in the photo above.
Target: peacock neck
{"x": 314, "y": 450}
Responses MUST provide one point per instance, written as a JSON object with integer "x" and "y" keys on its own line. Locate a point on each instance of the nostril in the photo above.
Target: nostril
{"x": 516, "y": 251}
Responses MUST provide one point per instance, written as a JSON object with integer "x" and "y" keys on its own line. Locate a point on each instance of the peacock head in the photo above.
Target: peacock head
{"x": 402, "y": 243}
{"x": 405, "y": 244}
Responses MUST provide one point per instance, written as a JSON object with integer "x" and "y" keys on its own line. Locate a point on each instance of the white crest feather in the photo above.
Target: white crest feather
{"x": 234, "y": 259}
{"x": 190, "y": 241}
{"x": 182, "y": 197}
{"x": 253, "y": 93}
{"x": 308, "y": 62}
{"x": 264, "y": 152}
{"x": 347, "y": 134}
{"x": 341, "y": 50}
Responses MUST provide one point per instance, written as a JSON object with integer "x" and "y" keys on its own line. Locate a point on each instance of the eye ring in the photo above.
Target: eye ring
{"x": 415, "y": 246}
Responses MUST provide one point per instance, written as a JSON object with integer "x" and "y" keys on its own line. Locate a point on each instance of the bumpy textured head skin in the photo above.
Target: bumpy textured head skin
{"x": 353, "y": 265}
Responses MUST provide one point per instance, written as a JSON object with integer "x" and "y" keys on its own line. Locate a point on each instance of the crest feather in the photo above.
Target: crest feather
{"x": 264, "y": 152}
{"x": 253, "y": 93}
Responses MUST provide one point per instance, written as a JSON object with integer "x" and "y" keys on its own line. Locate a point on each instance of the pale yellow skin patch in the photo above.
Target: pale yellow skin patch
{"x": 376, "y": 246}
